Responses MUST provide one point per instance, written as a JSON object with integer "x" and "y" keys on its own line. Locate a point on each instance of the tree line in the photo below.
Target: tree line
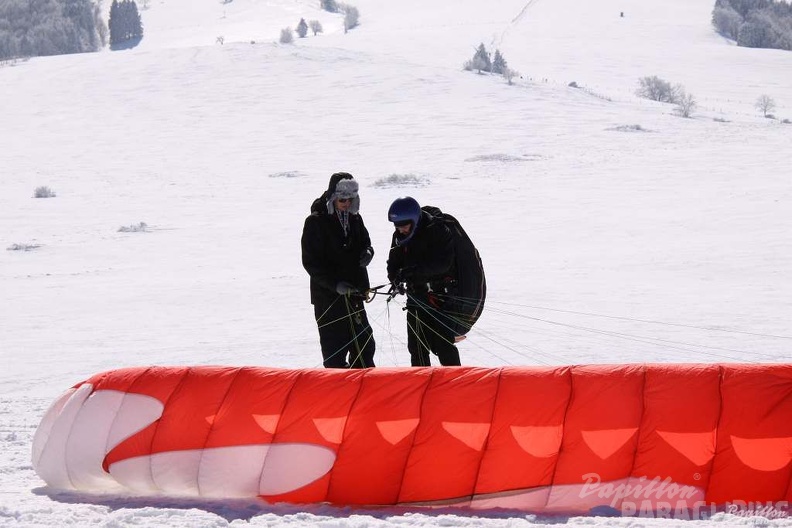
{"x": 32, "y": 28}
{"x": 754, "y": 23}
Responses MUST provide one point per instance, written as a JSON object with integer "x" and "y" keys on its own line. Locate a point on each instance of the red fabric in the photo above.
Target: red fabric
{"x": 483, "y": 437}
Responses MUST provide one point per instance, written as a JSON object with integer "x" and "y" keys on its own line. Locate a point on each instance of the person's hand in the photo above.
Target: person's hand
{"x": 345, "y": 288}
{"x": 397, "y": 287}
{"x": 366, "y": 256}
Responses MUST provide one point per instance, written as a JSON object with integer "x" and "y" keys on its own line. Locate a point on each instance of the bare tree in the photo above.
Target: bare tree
{"x": 765, "y": 104}
{"x": 686, "y": 104}
{"x": 510, "y": 74}
{"x": 657, "y": 89}
{"x": 315, "y": 26}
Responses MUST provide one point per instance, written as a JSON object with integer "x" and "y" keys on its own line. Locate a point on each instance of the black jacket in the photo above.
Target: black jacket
{"x": 329, "y": 256}
{"x": 427, "y": 257}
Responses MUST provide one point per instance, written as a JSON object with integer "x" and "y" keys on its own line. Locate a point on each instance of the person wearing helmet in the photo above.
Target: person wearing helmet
{"x": 421, "y": 263}
{"x": 336, "y": 248}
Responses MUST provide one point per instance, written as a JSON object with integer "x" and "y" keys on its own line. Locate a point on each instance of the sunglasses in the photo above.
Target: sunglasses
{"x": 344, "y": 200}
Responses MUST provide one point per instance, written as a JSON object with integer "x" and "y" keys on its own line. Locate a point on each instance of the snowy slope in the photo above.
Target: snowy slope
{"x": 602, "y": 243}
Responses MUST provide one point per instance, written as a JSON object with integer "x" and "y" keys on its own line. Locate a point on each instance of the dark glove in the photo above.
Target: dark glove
{"x": 345, "y": 288}
{"x": 366, "y": 256}
{"x": 405, "y": 274}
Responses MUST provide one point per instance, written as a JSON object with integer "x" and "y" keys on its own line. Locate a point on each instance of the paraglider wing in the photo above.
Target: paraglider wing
{"x": 565, "y": 439}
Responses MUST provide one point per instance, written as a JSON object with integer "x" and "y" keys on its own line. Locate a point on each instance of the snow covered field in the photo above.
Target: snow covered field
{"x": 611, "y": 230}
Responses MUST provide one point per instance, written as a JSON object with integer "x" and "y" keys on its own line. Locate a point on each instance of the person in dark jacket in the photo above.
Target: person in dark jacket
{"x": 336, "y": 248}
{"x": 421, "y": 262}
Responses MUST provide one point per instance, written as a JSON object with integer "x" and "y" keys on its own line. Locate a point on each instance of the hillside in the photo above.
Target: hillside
{"x": 611, "y": 230}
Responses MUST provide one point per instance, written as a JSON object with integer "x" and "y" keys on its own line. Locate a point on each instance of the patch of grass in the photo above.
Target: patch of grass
{"x": 23, "y": 247}
{"x": 43, "y": 192}
{"x": 402, "y": 180}
{"x": 141, "y": 227}
{"x": 628, "y": 128}
{"x": 504, "y": 157}
{"x": 287, "y": 174}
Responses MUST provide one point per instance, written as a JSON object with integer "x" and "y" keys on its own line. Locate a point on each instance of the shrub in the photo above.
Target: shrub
{"x": 401, "y": 180}
{"x": 686, "y": 104}
{"x": 22, "y": 247}
{"x": 286, "y": 36}
{"x": 510, "y": 74}
{"x": 43, "y": 192}
{"x": 141, "y": 227}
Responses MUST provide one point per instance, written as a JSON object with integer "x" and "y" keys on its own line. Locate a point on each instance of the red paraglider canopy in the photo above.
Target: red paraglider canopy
{"x": 566, "y": 439}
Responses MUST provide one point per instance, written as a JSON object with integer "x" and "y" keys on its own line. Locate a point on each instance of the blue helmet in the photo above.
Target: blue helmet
{"x": 403, "y": 210}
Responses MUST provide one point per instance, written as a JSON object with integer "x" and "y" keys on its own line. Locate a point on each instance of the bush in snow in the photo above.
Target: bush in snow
{"x": 43, "y": 192}
{"x": 401, "y": 180}
{"x": 510, "y": 74}
{"x": 686, "y": 104}
{"x": 22, "y": 247}
{"x": 286, "y": 36}
{"x": 315, "y": 26}
{"x": 141, "y": 227}
{"x": 657, "y": 89}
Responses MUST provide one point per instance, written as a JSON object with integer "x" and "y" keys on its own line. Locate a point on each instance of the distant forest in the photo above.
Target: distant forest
{"x": 754, "y": 23}
{"x": 30, "y": 28}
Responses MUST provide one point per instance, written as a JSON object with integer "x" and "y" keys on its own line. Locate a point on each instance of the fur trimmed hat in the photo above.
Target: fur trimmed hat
{"x": 343, "y": 185}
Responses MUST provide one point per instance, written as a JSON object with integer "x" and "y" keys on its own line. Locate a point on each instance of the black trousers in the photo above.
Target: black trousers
{"x": 344, "y": 333}
{"x": 430, "y": 329}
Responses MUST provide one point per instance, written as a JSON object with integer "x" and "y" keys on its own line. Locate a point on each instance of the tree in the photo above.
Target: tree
{"x": 686, "y": 104}
{"x": 657, "y": 89}
{"x": 315, "y": 26}
{"x": 481, "y": 59}
{"x": 510, "y": 74}
{"x": 329, "y": 5}
{"x": 124, "y": 23}
{"x": 351, "y": 18}
{"x": 48, "y": 27}
{"x": 765, "y": 104}
{"x": 498, "y": 63}
{"x": 302, "y": 28}
{"x": 727, "y": 21}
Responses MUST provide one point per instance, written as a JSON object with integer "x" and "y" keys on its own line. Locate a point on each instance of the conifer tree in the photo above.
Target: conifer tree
{"x": 481, "y": 59}
{"x": 302, "y": 28}
{"x": 498, "y": 63}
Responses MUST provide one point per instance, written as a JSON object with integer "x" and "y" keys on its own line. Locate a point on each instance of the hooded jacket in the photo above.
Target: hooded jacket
{"x": 332, "y": 244}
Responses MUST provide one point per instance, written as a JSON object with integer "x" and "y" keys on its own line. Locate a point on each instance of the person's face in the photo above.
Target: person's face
{"x": 343, "y": 204}
{"x": 404, "y": 229}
